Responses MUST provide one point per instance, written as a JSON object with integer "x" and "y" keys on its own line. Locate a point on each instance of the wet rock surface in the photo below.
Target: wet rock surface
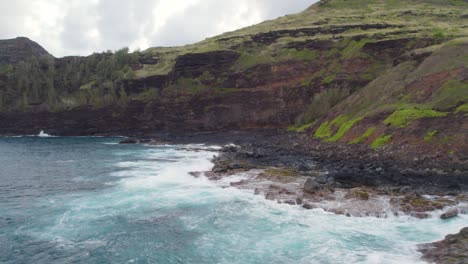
{"x": 353, "y": 186}
{"x": 453, "y": 249}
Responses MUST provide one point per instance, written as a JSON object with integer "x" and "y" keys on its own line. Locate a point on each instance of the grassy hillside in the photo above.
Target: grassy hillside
{"x": 413, "y": 102}
{"x": 335, "y": 19}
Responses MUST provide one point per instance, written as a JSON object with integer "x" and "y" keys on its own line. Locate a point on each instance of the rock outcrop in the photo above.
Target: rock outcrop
{"x": 453, "y": 249}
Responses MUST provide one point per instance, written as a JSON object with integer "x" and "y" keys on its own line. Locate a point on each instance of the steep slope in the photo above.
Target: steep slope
{"x": 420, "y": 102}
{"x": 335, "y": 62}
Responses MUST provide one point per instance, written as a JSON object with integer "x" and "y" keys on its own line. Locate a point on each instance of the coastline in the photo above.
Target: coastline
{"x": 341, "y": 180}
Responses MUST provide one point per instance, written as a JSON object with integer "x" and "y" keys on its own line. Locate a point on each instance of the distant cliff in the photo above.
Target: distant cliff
{"x": 19, "y": 49}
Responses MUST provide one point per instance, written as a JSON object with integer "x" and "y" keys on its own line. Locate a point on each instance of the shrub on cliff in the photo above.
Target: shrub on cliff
{"x": 322, "y": 103}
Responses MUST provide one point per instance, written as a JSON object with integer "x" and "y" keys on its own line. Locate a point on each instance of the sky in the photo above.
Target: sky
{"x": 81, "y": 27}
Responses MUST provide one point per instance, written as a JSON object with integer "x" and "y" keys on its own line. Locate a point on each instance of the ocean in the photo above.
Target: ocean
{"x": 91, "y": 200}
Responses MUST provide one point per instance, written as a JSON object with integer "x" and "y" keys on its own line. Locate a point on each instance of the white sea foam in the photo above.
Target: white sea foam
{"x": 44, "y": 134}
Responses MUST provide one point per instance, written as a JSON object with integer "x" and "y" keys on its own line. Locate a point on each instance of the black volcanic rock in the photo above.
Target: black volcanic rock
{"x": 19, "y": 49}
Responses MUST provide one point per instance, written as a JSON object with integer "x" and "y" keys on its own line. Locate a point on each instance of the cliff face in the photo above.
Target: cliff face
{"x": 361, "y": 72}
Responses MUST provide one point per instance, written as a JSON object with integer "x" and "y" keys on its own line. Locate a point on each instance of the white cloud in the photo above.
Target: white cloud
{"x": 80, "y": 27}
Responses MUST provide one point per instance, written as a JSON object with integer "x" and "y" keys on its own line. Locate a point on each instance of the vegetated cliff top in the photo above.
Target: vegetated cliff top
{"x": 19, "y": 49}
{"x": 335, "y": 19}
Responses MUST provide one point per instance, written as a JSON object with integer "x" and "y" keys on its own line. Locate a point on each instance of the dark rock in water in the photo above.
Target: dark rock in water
{"x": 298, "y": 200}
{"x": 128, "y": 141}
{"x": 420, "y": 215}
{"x": 290, "y": 202}
{"x": 308, "y": 206}
{"x": 219, "y": 169}
{"x": 449, "y": 214}
{"x": 195, "y": 174}
{"x": 453, "y": 249}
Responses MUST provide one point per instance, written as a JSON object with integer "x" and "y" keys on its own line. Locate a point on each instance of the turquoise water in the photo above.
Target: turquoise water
{"x": 90, "y": 200}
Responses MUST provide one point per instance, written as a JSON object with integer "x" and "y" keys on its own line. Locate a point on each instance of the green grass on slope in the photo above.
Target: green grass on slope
{"x": 381, "y": 141}
{"x": 364, "y": 136}
{"x": 342, "y": 123}
{"x": 462, "y": 108}
{"x": 430, "y": 135}
{"x": 345, "y": 127}
{"x": 390, "y": 91}
{"x": 452, "y": 93}
{"x": 404, "y": 117}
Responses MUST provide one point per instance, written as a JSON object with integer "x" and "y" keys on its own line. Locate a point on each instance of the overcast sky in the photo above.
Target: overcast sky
{"x": 80, "y": 27}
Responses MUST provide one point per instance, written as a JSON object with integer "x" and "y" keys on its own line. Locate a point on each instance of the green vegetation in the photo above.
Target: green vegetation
{"x": 191, "y": 85}
{"x": 451, "y": 94}
{"x": 301, "y": 128}
{"x": 430, "y": 135}
{"x": 256, "y": 55}
{"x": 343, "y": 123}
{"x": 353, "y": 48}
{"x": 324, "y": 130}
{"x": 96, "y": 80}
{"x": 345, "y": 127}
{"x": 404, "y": 117}
{"x": 381, "y": 141}
{"x": 364, "y": 136}
{"x": 462, "y": 108}
{"x": 329, "y": 79}
{"x": 321, "y": 104}
{"x": 280, "y": 172}
{"x": 149, "y": 94}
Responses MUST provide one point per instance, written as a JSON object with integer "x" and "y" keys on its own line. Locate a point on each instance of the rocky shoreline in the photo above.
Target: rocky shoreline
{"x": 345, "y": 180}
{"x": 365, "y": 190}
{"x": 290, "y": 168}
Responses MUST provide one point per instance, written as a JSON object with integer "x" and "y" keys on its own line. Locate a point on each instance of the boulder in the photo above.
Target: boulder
{"x": 449, "y": 214}
{"x": 312, "y": 186}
